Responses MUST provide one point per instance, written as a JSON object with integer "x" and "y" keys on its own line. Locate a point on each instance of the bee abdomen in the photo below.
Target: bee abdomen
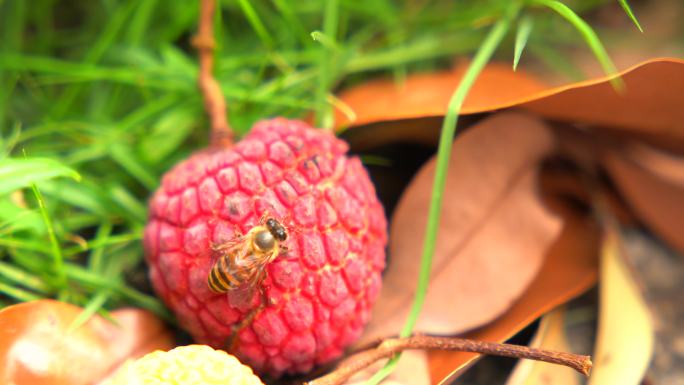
{"x": 220, "y": 279}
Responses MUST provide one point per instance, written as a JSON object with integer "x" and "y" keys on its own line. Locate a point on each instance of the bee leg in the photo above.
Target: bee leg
{"x": 290, "y": 225}
{"x": 232, "y": 342}
{"x": 264, "y": 216}
{"x": 284, "y": 250}
{"x": 289, "y": 222}
{"x": 265, "y": 299}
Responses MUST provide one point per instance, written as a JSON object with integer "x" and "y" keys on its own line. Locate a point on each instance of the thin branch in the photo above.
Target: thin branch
{"x": 214, "y": 103}
{"x": 390, "y": 347}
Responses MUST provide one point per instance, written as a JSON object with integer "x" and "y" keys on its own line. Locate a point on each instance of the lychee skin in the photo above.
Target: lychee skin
{"x": 319, "y": 293}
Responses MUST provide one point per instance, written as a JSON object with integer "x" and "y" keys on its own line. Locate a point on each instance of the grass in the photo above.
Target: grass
{"x": 480, "y": 60}
{"x": 98, "y": 99}
{"x": 521, "y": 36}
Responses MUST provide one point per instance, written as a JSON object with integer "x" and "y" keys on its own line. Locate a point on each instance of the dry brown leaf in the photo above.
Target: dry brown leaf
{"x": 493, "y": 234}
{"x": 650, "y": 104}
{"x": 423, "y": 95}
{"x": 550, "y": 335}
{"x": 665, "y": 165}
{"x": 625, "y": 332}
{"x": 37, "y": 348}
{"x": 652, "y": 182}
{"x": 570, "y": 268}
{"x": 649, "y": 109}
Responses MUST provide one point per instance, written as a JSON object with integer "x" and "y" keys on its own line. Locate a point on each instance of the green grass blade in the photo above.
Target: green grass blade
{"x": 13, "y": 36}
{"x": 482, "y": 57}
{"x": 326, "y": 41}
{"x": 55, "y": 248}
{"x": 148, "y": 111}
{"x": 24, "y": 244}
{"x": 21, "y": 277}
{"x": 87, "y": 195}
{"x": 127, "y": 159}
{"x": 285, "y": 9}
{"x": 628, "y": 11}
{"x": 95, "y": 262}
{"x": 107, "y": 270}
{"x": 92, "y": 307}
{"x": 415, "y": 51}
{"x": 20, "y": 173}
{"x": 15, "y": 218}
{"x": 86, "y": 277}
{"x": 140, "y": 21}
{"x": 256, "y": 23}
{"x": 10, "y": 137}
{"x": 127, "y": 201}
{"x": 521, "y": 37}
{"x": 589, "y": 36}
{"x": 324, "y": 117}
{"x": 18, "y": 294}
{"x": 108, "y": 241}
{"x": 168, "y": 133}
{"x": 95, "y": 53}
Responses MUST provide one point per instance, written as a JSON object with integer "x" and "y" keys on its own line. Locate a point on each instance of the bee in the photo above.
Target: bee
{"x": 242, "y": 261}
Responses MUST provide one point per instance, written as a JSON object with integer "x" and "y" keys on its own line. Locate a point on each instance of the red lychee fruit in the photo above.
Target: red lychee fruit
{"x": 317, "y": 296}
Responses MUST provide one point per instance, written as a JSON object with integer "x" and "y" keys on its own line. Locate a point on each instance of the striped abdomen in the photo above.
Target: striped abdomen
{"x": 225, "y": 276}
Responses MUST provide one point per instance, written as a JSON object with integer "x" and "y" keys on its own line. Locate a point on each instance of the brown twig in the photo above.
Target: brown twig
{"x": 214, "y": 103}
{"x": 390, "y": 347}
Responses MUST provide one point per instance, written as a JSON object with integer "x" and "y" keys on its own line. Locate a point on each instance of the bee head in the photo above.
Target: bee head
{"x": 276, "y": 229}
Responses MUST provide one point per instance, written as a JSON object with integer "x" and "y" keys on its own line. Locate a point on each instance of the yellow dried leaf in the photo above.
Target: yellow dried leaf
{"x": 625, "y": 333}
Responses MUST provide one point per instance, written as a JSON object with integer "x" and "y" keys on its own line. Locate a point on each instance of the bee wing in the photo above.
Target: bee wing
{"x": 237, "y": 246}
{"x": 230, "y": 245}
{"x": 241, "y": 297}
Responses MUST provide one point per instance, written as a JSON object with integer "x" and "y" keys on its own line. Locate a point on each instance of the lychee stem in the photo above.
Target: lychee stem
{"x": 390, "y": 347}
{"x": 214, "y": 102}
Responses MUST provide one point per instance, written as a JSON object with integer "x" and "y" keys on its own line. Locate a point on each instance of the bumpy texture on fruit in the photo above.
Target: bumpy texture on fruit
{"x": 319, "y": 294}
{"x": 185, "y": 365}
